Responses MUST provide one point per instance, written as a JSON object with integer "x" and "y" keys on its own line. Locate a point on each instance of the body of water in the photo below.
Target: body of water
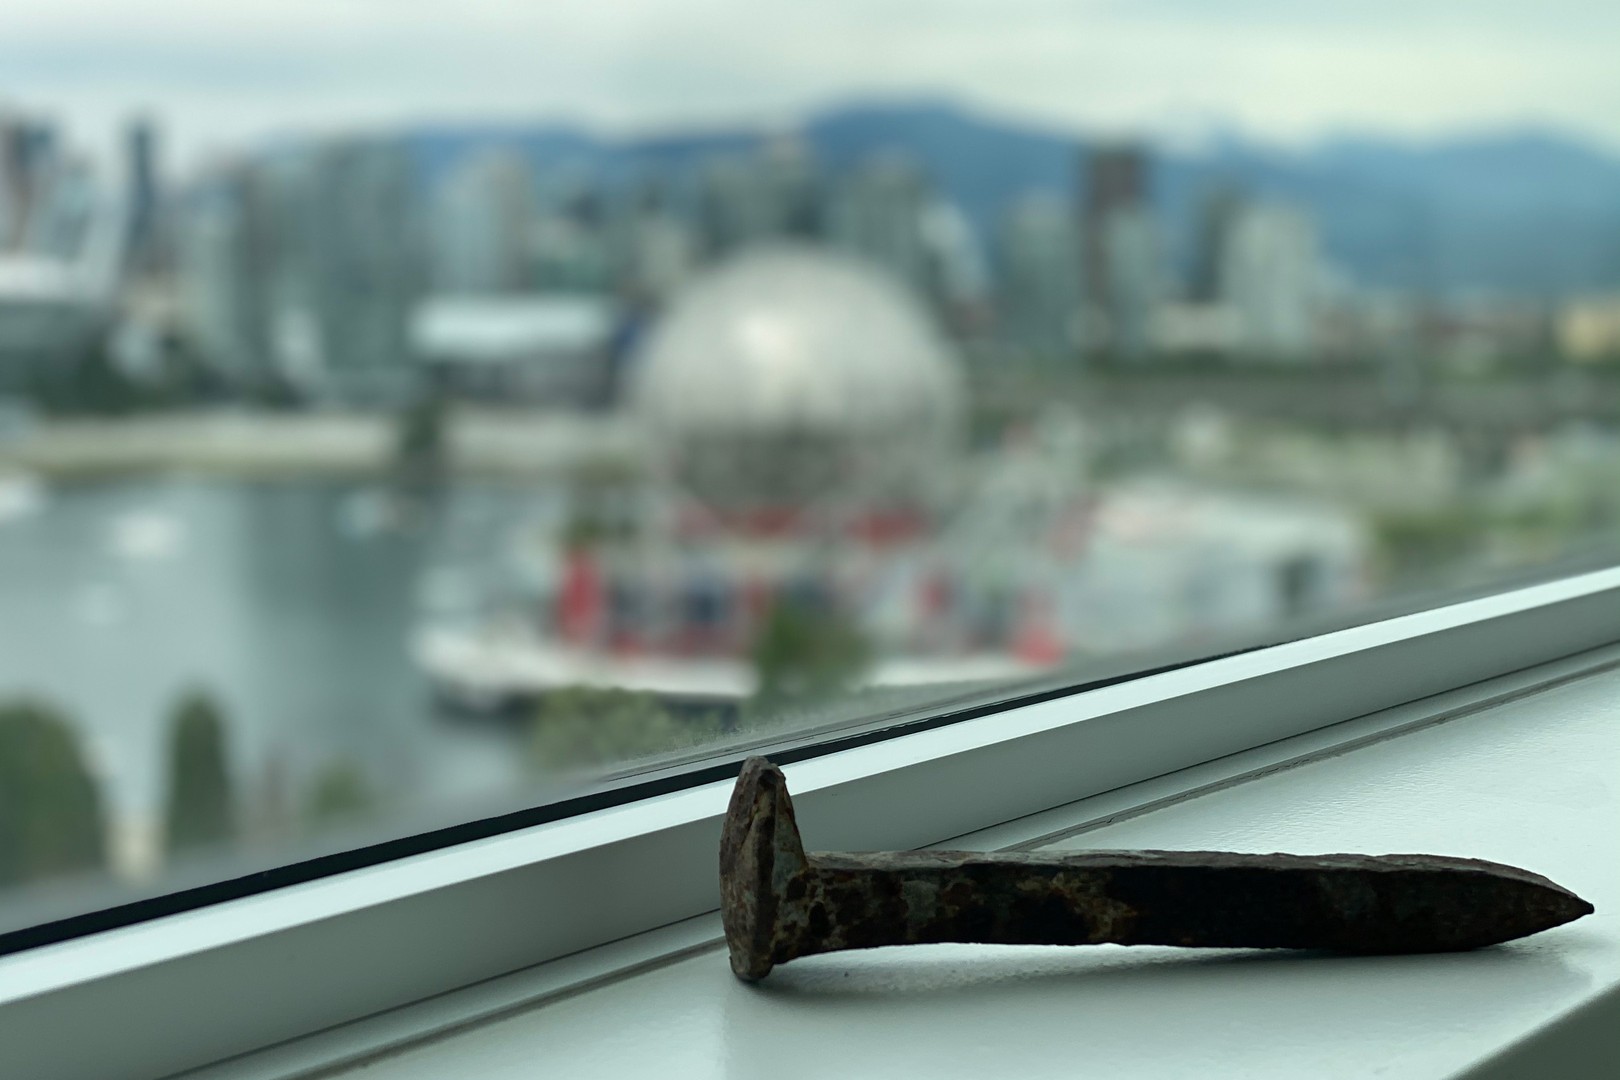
{"x": 292, "y": 604}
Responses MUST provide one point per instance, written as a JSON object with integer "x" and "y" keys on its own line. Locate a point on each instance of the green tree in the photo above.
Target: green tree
{"x": 339, "y": 793}
{"x": 86, "y": 382}
{"x": 50, "y": 808}
{"x": 802, "y": 654}
{"x": 421, "y": 444}
{"x": 1415, "y": 544}
{"x": 585, "y": 725}
{"x": 199, "y": 812}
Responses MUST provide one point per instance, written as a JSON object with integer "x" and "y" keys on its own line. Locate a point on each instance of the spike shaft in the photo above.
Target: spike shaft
{"x": 1346, "y": 903}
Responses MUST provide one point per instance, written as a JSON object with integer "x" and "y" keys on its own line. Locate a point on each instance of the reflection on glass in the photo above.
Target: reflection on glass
{"x": 361, "y": 476}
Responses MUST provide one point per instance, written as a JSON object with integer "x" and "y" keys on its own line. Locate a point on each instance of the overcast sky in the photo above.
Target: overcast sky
{"x": 220, "y": 73}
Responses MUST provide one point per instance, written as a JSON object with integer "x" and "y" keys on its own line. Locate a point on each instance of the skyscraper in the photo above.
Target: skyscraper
{"x": 579, "y": 231}
{"x": 484, "y": 221}
{"x": 1270, "y": 274}
{"x": 141, "y": 193}
{"x": 226, "y": 262}
{"x": 657, "y": 254}
{"x": 27, "y": 154}
{"x": 1124, "y": 258}
{"x": 957, "y": 276}
{"x": 1114, "y": 179}
{"x": 61, "y": 216}
{"x": 791, "y": 176}
{"x": 365, "y": 267}
{"x": 1039, "y": 260}
{"x": 1134, "y": 258}
{"x": 878, "y": 213}
{"x": 748, "y": 198}
{"x": 1219, "y": 210}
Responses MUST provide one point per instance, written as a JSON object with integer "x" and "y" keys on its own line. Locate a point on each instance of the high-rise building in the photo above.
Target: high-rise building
{"x": 50, "y": 316}
{"x": 364, "y": 255}
{"x": 796, "y": 196}
{"x": 879, "y": 214}
{"x": 1040, "y": 297}
{"x": 745, "y": 199}
{"x": 1124, "y": 256}
{"x": 226, "y": 266}
{"x": 1216, "y": 215}
{"x": 62, "y": 216}
{"x": 484, "y": 219}
{"x": 660, "y": 255}
{"x": 141, "y": 193}
{"x": 27, "y": 155}
{"x": 1271, "y": 276}
{"x": 957, "y": 275}
{"x": 1135, "y": 288}
{"x": 733, "y": 205}
{"x": 1115, "y": 178}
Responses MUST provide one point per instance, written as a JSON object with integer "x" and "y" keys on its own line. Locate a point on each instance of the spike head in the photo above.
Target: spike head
{"x": 763, "y": 868}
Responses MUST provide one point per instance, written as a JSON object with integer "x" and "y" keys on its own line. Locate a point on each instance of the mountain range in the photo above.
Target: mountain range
{"x": 1527, "y": 212}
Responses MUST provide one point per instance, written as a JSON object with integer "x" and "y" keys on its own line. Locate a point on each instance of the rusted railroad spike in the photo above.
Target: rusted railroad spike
{"x": 779, "y": 903}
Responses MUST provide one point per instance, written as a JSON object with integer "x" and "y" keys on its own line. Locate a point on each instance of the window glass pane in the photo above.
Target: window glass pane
{"x": 412, "y": 412}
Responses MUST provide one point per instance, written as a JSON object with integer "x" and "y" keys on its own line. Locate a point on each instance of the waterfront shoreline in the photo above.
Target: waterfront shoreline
{"x": 271, "y": 445}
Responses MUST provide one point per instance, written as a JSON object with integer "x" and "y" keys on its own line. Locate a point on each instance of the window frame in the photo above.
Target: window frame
{"x": 197, "y": 987}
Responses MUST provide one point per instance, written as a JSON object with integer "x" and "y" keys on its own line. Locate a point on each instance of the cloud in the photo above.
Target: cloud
{"x": 224, "y": 73}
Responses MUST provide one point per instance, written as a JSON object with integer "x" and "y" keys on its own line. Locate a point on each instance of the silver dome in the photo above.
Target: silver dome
{"x": 796, "y": 353}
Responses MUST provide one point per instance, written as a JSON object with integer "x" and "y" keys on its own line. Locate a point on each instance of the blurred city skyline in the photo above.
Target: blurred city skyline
{"x": 221, "y": 80}
{"x": 280, "y": 265}
{"x": 403, "y": 404}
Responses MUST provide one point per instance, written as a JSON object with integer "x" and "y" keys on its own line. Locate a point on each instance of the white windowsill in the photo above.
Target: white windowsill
{"x": 1529, "y": 779}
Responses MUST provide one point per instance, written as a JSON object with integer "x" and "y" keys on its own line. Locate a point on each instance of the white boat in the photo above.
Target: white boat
{"x": 22, "y": 495}
{"x": 502, "y": 664}
{"x": 147, "y": 535}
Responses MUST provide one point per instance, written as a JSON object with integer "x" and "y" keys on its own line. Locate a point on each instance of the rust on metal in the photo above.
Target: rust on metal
{"x": 779, "y": 903}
